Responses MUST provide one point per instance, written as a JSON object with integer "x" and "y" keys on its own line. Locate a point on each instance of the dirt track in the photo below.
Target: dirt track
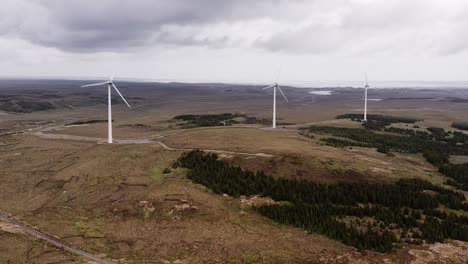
{"x": 52, "y": 241}
{"x": 44, "y": 134}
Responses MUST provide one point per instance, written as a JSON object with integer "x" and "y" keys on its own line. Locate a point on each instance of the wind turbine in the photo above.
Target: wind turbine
{"x": 365, "y": 99}
{"x": 110, "y": 83}
{"x": 275, "y": 86}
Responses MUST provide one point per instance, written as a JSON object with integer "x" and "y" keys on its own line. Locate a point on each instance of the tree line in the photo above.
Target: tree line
{"x": 322, "y": 208}
{"x": 460, "y": 125}
{"x": 459, "y": 174}
{"x": 224, "y": 119}
{"x": 383, "y": 118}
{"x": 208, "y": 120}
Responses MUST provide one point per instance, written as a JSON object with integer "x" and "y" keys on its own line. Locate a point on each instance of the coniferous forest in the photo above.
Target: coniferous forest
{"x": 434, "y": 143}
{"x": 224, "y": 119}
{"x": 364, "y": 215}
{"x": 383, "y": 118}
{"x": 460, "y": 125}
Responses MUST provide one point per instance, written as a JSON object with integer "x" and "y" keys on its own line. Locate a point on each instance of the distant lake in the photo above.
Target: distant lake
{"x": 321, "y": 92}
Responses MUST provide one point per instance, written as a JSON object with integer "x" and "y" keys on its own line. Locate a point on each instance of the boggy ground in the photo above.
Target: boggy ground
{"x": 115, "y": 202}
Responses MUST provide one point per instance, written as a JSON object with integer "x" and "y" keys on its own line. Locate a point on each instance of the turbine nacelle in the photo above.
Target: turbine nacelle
{"x": 276, "y": 85}
{"x": 110, "y": 82}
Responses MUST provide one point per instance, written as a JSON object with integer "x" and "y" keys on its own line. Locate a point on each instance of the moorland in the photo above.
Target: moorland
{"x": 198, "y": 176}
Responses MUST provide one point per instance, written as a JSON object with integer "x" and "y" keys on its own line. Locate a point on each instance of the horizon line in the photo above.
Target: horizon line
{"x": 295, "y": 83}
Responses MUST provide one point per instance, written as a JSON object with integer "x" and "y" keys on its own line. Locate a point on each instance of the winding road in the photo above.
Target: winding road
{"x": 44, "y": 133}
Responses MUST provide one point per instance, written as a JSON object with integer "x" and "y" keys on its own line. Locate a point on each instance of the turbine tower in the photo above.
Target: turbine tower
{"x": 110, "y": 84}
{"x": 275, "y": 86}
{"x": 365, "y": 99}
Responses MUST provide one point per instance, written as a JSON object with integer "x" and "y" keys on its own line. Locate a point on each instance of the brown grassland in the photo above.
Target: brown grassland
{"x": 116, "y": 202}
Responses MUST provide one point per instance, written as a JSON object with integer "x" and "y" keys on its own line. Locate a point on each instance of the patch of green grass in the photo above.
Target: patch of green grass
{"x": 87, "y": 228}
{"x": 336, "y": 167}
{"x": 147, "y": 212}
{"x": 162, "y": 168}
{"x": 157, "y": 173}
{"x": 250, "y": 259}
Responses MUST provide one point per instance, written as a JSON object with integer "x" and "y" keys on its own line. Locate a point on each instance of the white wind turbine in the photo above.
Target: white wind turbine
{"x": 110, "y": 83}
{"x": 275, "y": 86}
{"x": 365, "y": 99}
{"x": 366, "y": 87}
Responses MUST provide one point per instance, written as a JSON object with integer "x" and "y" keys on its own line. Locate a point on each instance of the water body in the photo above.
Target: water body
{"x": 321, "y": 92}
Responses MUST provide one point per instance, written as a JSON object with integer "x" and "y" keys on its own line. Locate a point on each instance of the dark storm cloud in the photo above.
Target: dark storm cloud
{"x": 314, "y": 27}
{"x": 90, "y": 25}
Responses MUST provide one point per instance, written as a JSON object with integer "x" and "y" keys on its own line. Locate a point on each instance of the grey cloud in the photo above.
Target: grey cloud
{"x": 105, "y": 25}
{"x": 313, "y": 39}
{"x": 301, "y": 26}
{"x": 404, "y": 27}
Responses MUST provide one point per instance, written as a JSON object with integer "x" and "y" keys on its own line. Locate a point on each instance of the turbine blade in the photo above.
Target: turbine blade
{"x": 112, "y": 77}
{"x": 278, "y": 74}
{"x": 269, "y": 86}
{"x": 281, "y": 91}
{"x": 367, "y": 83}
{"x": 121, "y": 95}
{"x": 94, "y": 84}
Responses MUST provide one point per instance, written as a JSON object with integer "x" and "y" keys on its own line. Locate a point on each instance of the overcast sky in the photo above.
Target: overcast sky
{"x": 236, "y": 40}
